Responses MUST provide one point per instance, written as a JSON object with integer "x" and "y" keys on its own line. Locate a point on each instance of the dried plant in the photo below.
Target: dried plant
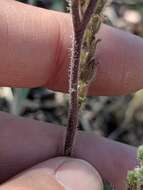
{"x": 87, "y": 18}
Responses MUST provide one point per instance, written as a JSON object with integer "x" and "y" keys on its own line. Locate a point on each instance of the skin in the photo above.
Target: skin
{"x": 57, "y": 174}
{"x": 36, "y": 38}
{"x": 25, "y": 142}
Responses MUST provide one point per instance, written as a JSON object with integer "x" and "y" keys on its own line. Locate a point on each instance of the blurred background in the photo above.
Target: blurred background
{"x": 119, "y": 118}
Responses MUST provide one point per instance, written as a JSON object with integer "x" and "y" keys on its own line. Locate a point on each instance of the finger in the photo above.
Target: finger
{"x": 25, "y": 142}
{"x": 75, "y": 173}
{"x": 31, "y": 44}
{"x": 35, "y": 51}
{"x": 33, "y": 179}
{"x": 68, "y": 174}
{"x": 120, "y": 63}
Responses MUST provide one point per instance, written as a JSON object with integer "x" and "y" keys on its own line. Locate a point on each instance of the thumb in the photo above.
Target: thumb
{"x": 74, "y": 174}
{"x": 57, "y": 174}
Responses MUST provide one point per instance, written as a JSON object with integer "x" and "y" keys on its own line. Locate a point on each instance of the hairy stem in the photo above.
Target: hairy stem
{"x": 74, "y": 75}
{"x": 88, "y": 13}
{"x": 73, "y": 104}
{"x": 86, "y": 22}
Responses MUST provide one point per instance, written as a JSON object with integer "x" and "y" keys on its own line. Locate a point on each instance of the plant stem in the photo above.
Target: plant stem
{"x": 88, "y": 13}
{"x": 80, "y": 23}
{"x": 74, "y": 75}
{"x": 73, "y": 104}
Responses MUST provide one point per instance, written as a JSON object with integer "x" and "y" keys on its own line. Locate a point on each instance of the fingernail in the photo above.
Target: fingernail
{"x": 78, "y": 174}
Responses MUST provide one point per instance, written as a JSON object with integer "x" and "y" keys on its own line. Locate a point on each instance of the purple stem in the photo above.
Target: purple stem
{"x": 79, "y": 29}
{"x": 74, "y": 75}
{"x": 89, "y": 11}
{"x": 73, "y": 104}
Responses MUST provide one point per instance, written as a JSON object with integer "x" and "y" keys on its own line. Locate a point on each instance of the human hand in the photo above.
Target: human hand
{"x": 57, "y": 174}
{"x": 36, "y": 38}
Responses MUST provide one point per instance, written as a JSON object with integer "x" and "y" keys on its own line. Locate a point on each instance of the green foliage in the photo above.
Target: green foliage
{"x": 140, "y": 154}
{"x": 132, "y": 179}
{"x": 54, "y": 5}
{"x": 107, "y": 186}
{"x": 135, "y": 177}
{"x": 20, "y": 94}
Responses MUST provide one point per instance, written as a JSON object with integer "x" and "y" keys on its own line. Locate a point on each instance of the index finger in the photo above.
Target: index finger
{"x": 35, "y": 51}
